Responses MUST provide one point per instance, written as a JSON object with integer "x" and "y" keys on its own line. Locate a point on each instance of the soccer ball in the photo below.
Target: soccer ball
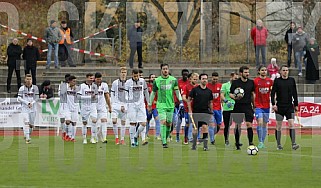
{"x": 252, "y": 150}
{"x": 239, "y": 92}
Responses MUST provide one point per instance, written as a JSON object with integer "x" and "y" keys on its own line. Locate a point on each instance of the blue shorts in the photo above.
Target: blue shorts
{"x": 154, "y": 114}
{"x": 262, "y": 113}
{"x": 217, "y": 114}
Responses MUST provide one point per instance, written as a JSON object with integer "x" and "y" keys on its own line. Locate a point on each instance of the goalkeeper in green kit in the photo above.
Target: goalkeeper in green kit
{"x": 165, "y": 86}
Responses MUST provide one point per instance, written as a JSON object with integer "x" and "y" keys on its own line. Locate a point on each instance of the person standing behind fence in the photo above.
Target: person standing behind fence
{"x": 312, "y": 68}
{"x": 31, "y": 56}
{"x": 14, "y": 52}
{"x": 299, "y": 41}
{"x": 259, "y": 33}
{"x": 288, "y": 39}
{"x": 135, "y": 42}
{"x": 52, "y": 36}
{"x": 65, "y": 45}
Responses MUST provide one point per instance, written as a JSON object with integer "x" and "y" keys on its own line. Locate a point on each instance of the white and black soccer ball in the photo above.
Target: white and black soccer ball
{"x": 252, "y": 150}
{"x": 239, "y": 92}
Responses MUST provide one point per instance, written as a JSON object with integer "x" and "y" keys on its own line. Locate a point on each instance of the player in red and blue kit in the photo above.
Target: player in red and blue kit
{"x": 263, "y": 86}
{"x": 215, "y": 87}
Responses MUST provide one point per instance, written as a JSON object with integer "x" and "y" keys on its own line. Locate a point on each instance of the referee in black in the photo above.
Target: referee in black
{"x": 285, "y": 105}
{"x": 243, "y": 108}
{"x": 201, "y": 110}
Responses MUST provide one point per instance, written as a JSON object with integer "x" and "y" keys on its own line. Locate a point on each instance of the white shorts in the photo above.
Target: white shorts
{"x": 29, "y": 117}
{"x": 71, "y": 116}
{"x": 136, "y": 114}
{"x": 116, "y": 112}
{"x": 62, "y": 110}
{"x": 102, "y": 113}
{"x": 88, "y": 112}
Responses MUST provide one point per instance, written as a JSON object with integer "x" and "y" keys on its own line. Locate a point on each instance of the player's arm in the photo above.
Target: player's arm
{"x": 233, "y": 87}
{"x": 210, "y": 105}
{"x": 295, "y": 96}
{"x": 36, "y": 94}
{"x": 107, "y": 98}
{"x": 184, "y": 97}
{"x": 253, "y": 99}
{"x": 178, "y": 94}
{"x": 152, "y": 94}
{"x": 20, "y": 97}
{"x": 273, "y": 92}
{"x": 146, "y": 93}
{"x": 80, "y": 95}
{"x": 189, "y": 104}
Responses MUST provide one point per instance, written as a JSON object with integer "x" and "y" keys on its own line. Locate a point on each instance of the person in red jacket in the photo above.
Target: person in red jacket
{"x": 259, "y": 33}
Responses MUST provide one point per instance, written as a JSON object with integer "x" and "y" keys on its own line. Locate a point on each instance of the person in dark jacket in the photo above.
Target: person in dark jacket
{"x": 135, "y": 42}
{"x": 288, "y": 39}
{"x": 312, "y": 69}
{"x": 14, "y": 52}
{"x": 31, "y": 56}
{"x": 46, "y": 91}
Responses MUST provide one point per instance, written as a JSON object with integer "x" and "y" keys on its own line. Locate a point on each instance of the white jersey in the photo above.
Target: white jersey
{"x": 118, "y": 93}
{"x": 102, "y": 90}
{"x": 62, "y": 95}
{"x": 28, "y": 95}
{"x": 136, "y": 91}
{"x": 72, "y": 102}
{"x": 86, "y": 92}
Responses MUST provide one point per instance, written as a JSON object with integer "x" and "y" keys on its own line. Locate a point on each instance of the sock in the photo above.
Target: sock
{"x": 30, "y": 130}
{"x": 205, "y": 140}
{"x": 259, "y": 133}
{"x": 26, "y": 132}
{"x": 157, "y": 127}
{"x": 69, "y": 133}
{"x": 264, "y": 133}
{"x": 194, "y": 140}
{"x": 139, "y": 130}
{"x": 292, "y": 135}
{"x": 218, "y": 127}
{"x": 163, "y": 133}
{"x": 93, "y": 130}
{"x": 137, "y": 125}
{"x": 132, "y": 130}
{"x": 73, "y": 132}
{"x": 168, "y": 131}
{"x": 147, "y": 128}
{"x": 211, "y": 131}
{"x": 66, "y": 129}
{"x": 143, "y": 133}
{"x": 178, "y": 128}
{"x": 237, "y": 134}
{"x": 186, "y": 131}
{"x": 115, "y": 128}
{"x": 103, "y": 130}
{"x": 190, "y": 132}
{"x": 250, "y": 135}
{"x": 63, "y": 128}
{"x": 84, "y": 131}
{"x": 122, "y": 132}
{"x": 226, "y": 132}
{"x": 278, "y": 137}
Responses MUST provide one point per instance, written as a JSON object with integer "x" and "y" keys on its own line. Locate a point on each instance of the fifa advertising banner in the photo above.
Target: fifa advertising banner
{"x": 48, "y": 115}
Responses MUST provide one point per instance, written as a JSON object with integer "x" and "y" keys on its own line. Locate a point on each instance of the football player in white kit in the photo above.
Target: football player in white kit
{"x": 118, "y": 105}
{"x": 103, "y": 101}
{"x": 28, "y": 95}
{"x": 87, "y": 93}
{"x": 63, "y": 100}
{"x": 137, "y": 92}
{"x": 71, "y": 108}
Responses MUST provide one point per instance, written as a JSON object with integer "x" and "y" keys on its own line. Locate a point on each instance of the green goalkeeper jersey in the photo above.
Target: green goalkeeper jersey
{"x": 165, "y": 88}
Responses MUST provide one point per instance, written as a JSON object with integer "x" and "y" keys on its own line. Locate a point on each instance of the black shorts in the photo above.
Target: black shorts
{"x": 202, "y": 118}
{"x": 242, "y": 112}
{"x": 287, "y": 111}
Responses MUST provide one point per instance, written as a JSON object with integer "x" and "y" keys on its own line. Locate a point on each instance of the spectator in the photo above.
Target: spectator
{"x": 312, "y": 67}
{"x": 31, "y": 56}
{"x": 135, "y": 42}
{"x": 299, "y": 41}
{"x": 14, "y": 52}
{"x": 46, "y": 91}
{"x": 288, "y": 39}
{"x": 65, "y": 43}
{"x": 259, "y": 33}
{"x": 273, "y": 69}
{"x": 52, "y": 36}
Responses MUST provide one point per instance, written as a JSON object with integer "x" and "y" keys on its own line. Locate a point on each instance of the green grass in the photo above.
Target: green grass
{"x": 48, "y": 162}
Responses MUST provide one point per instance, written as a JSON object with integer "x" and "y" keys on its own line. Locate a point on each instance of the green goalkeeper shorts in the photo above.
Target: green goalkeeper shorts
{"x": 165, "y": 114}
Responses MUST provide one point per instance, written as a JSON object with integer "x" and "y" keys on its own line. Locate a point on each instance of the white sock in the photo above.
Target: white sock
{"x": 103, "y": 130}
{"x": 66, "y": 129}
{"x": 69, "y": 130}
{"x": 26, "y": 131}
{"x": 139, "y": 130}
{"x": 122, "y": 132}
{"x": 115, "y": 128}
{"x": 84, "y": 131}
{"x": 94, "y": 130}
{"x": 73, "y": 131}
{"x": 143, "y": 133}
{"x": 132, "y": 130}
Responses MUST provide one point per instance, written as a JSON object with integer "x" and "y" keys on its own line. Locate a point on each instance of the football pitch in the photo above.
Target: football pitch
{"x": 50, "y": 162}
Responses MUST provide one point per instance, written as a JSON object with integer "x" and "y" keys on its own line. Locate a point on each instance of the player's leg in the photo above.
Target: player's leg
{"x": 141, "y": 118}
{"x": 68, "y": 126}
{"x": 180, "y": 115}
{"x": 103, "y": 129}
{"x": 227, "y": 123}
{"x": 169, "y": 122}
{"x": 279, "y": 118}
{"x": 162, "y": 118}
{"x": 63, "y": 128}
{"x": 205, "y": 135}
{"x": 198, "y": 124}
{"x": 26, "y": 127}
{"x": 93, "y": 121}
{"x": 266, "y": 118}
{"x": 131, "y": 115}
{"x": 148, "y": 118}
{"x": 259, "y": 113}
{"x": 157, "y": 124}
{"x": 238, "y": 119}
{"x": 32, "y": 118}
{"x": 123, "y": 117}
{"x": 114, "y": 115}
{"x": 84, "y": 117}
{"x": 211, "y": 129}
{"x": 290, "y": 117}
{"x": 186, "y": 128}
{"x": 248, "y": 121}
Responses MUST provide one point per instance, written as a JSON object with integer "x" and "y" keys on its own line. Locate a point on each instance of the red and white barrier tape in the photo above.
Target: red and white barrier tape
{"x": 24, "y": 34}
{"x": 92, "y": 53}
